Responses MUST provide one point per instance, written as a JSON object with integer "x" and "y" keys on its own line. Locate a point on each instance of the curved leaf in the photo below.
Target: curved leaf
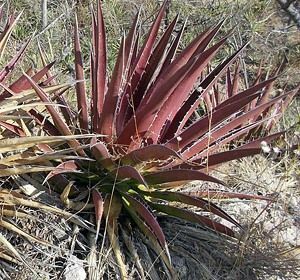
{"x": 149, "y": 153}
{"x": 195, "y": 201}
{"x": 144, "y": 227}
{"x": 129, "y": 172}
{"x": 179, "y": 175}
{"x": 191, "y": 217}
{"x": 148, "y": 217}
{"x": 65, "y": 167}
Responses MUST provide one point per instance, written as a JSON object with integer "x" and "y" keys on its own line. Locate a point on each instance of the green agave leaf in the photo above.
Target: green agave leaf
{"x": 149, "y": 228}
{"x": 191, "y": 217}
{"x": 195, "y": 201}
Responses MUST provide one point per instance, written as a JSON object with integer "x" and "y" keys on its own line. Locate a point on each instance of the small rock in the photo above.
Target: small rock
{"x": 74, "y": 269}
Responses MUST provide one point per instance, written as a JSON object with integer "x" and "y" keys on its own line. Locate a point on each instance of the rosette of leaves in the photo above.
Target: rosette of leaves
{"x": 161, "y": 119}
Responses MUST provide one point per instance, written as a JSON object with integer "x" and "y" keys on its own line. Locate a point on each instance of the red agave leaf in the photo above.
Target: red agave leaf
{"x": 11, "y": 65}
{"x": 99, "y": 71}
{"x": 139, "y": 68}
{"x": 140, "y": 123}
{"x": 23, "y": 84}
{"x": 108, "y": 116}
{"x": 13, "y": 128}
{"x": 230, "y": 155}
{"x": 80, "y": 85}
{"x": 232, "y": 87}
{"x": 148, "y": 217}
{"x": 257, "y": 143}
{"x": 226, "y": 129}
{"x": 178, "y": 175}
{"x": 246, "y": 150}
{"x": 131, "y": 45}
{"x": 101, "y": 154}
{"x": 167, "y": 80}
{"x": 60, "y": 124}
{"x": 149, "y": 228}
{"x": 153, "y": 64}
{"x": 149, "y": 153}
{"x": 129, "y": 172}
{"x": 173, "y": 49}
{"x": 182, "y": 59}
{"x": 43, "y": 121}
{"x": 192, "y": 103}
{"x": 198, "y": 128}
{"x": 98, "y": 202}
{"x": 65, "y": 167}
{"x": 180, "y": 94}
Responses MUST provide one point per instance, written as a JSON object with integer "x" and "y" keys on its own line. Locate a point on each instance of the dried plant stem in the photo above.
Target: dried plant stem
{"x": 44, "y": 13}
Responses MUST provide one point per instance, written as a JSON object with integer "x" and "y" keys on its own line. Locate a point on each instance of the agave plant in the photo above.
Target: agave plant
{"x": 161, "y": 119}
